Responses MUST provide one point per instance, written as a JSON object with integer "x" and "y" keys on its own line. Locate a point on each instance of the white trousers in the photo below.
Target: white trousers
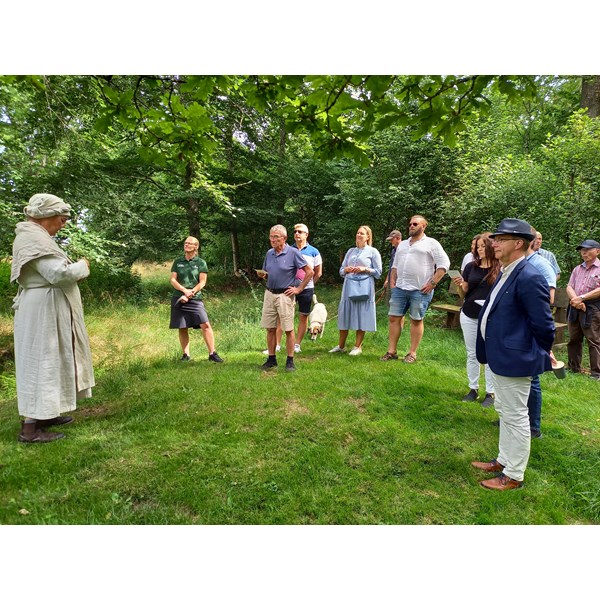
{"x": 469, "y": 329}
{"x": 515, "y": 436}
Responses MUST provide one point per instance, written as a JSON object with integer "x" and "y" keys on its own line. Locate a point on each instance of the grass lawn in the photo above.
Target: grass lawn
{"x": 343, "y": 440}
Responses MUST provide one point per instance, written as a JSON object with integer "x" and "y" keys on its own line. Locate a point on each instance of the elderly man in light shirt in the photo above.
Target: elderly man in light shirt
{"x": 419, "y": 264}
{"x": 549, "y": 256}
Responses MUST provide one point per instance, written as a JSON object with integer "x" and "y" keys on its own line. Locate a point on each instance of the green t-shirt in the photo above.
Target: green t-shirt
{"x": 188, "y": 273}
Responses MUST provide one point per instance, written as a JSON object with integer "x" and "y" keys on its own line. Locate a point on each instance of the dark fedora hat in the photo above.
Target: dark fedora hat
{"x": 516, "y": 227}
{"x": 588, "y": 244}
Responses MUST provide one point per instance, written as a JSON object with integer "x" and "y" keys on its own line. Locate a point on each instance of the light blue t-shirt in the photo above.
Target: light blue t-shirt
{"x": 544, "y": 267}
{"x": 549, "y": 256}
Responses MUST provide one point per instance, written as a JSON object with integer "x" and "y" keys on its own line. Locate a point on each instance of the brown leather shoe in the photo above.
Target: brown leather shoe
{"x": 31, "y": 434}
{"x": 501, "y": 483}
{"x": 43, "y": 423}
{"x": 489, "y": 467}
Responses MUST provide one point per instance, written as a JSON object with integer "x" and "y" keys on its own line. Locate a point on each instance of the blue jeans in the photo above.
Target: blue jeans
{"x": 534, "y": 403}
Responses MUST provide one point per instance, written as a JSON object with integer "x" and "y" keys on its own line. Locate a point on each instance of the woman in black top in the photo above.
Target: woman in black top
{"x": 474, "y": 286}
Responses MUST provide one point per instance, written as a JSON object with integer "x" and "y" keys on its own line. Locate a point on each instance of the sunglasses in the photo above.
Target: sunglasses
{"x": 299, "y": 231}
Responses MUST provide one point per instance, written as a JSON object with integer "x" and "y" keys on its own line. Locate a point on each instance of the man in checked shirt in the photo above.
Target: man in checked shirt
{"x": 584, "y": 310}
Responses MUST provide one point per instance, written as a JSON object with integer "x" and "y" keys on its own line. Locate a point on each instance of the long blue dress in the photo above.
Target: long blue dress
{"x": 360, "y": 315}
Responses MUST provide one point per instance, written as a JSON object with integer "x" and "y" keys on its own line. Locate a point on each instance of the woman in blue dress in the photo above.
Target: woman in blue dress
{"x": 360, "y": 268}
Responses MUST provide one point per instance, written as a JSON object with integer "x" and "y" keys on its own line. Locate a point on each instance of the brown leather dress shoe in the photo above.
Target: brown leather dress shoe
{"x": 501, "y": 483}
{"x": 43, "y": 423}
{"x": 489, "y": 467}
{"x": 31, "y": 434}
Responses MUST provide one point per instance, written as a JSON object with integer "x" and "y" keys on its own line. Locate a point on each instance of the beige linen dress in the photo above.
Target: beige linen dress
{"x": 52, "y": 354}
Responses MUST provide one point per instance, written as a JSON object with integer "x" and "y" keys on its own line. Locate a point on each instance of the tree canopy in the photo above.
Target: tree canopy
{"x": 145, "y": 160}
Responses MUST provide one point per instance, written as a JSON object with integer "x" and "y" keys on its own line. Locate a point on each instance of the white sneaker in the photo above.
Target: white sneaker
{"x": 355, "y": 351}
{"x": 266, "y": 352}
{"x": 337, "y": 349}
{"x": 297, "y": 348}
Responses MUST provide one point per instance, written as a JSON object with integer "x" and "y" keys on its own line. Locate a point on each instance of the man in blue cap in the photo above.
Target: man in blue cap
{"x": 514, "y": 337}
{"x": 584, "y": 310}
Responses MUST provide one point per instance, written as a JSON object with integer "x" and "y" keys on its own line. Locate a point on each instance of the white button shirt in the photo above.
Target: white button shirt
{"x": 416, "y": 262}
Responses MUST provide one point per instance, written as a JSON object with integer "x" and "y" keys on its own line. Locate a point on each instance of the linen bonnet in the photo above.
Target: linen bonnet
{"x": 41, "y": 206}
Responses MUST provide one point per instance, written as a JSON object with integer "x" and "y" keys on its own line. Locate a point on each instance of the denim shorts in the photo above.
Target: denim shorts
{"x": 402, "y": 300}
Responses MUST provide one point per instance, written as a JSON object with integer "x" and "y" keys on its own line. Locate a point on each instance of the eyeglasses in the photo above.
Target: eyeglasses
{"x": 497, "y": 241}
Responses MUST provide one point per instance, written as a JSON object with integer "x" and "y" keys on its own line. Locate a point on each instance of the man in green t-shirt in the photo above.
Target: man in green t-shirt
{"x": 188, "y": 276}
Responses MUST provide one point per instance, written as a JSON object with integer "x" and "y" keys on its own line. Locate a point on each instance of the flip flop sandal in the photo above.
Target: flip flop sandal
{"x": 409, "y": 358}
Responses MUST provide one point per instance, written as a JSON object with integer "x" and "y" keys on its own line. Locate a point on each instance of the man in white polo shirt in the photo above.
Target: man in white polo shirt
{"x": 419, "y": 264}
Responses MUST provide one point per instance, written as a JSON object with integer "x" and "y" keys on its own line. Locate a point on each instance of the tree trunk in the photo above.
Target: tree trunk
{"x": 590, "y": 95}
{"x": 235, "y": 248}
{"x": 193, "y": 207}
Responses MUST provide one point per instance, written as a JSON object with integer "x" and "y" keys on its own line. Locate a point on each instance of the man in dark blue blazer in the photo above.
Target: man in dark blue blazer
{"x": 514, "y": 337}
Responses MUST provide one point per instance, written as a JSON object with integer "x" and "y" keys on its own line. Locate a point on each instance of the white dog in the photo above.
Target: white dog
{"x": 317, "y": 319}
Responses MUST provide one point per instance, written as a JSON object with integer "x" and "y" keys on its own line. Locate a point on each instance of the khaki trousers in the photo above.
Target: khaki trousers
{"x": 514, "y": 445}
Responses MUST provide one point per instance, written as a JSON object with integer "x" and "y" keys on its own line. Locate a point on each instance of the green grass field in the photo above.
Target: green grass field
{"x": 343, "y": 440}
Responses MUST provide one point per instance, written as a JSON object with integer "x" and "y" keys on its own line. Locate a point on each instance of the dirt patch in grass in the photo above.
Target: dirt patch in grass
{"x": 95, "y": 410}
{"x": 359, "y": 403}
{"x": 293, "y": 407}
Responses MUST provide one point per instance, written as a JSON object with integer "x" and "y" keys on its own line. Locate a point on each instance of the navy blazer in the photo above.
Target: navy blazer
{"x": 520, "y": 330}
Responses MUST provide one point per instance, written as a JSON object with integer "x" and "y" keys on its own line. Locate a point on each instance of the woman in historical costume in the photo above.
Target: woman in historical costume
{"x": 52, "y": 351}
{"x": 356, "y": 311}
{"x": 188, "y": 276}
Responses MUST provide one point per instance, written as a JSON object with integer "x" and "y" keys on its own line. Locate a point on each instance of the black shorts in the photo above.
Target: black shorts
{"x": 304, "y": 300}
{"x": 187, "y": 314}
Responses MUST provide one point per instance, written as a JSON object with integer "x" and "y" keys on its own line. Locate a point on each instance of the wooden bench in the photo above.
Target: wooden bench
{"x": 559, "y": 312}
{"x": 452, "y": 310}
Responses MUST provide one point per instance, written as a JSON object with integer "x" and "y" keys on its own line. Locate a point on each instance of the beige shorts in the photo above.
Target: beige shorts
{"x": 278, "y": 306}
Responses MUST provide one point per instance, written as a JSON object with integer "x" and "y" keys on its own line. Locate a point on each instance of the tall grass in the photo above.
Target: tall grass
{"x": 343, "y": 440}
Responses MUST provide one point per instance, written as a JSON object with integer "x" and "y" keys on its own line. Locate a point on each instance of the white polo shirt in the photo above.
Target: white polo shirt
{"x": 416, "y": 263}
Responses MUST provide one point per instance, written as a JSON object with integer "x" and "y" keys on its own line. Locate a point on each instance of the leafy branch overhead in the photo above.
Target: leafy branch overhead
{"x": 177, "y": 118}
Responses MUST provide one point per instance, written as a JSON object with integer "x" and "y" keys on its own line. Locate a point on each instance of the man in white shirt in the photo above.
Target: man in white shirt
{"x": 419, "y": 264}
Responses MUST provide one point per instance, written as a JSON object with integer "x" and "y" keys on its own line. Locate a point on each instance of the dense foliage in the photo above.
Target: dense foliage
{"x": 145, "y": 160}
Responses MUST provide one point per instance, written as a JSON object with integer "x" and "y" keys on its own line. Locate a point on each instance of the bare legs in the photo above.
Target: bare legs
{"x": 207, "y": 334}
{"x": 184, "y": 340}
{"x": 302, "y": 327}
{"x": 396, "y": 324}
{"x": 416, "y": 335}
{"x": 360, "y": 336}
{"x": 290, "y": 340}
